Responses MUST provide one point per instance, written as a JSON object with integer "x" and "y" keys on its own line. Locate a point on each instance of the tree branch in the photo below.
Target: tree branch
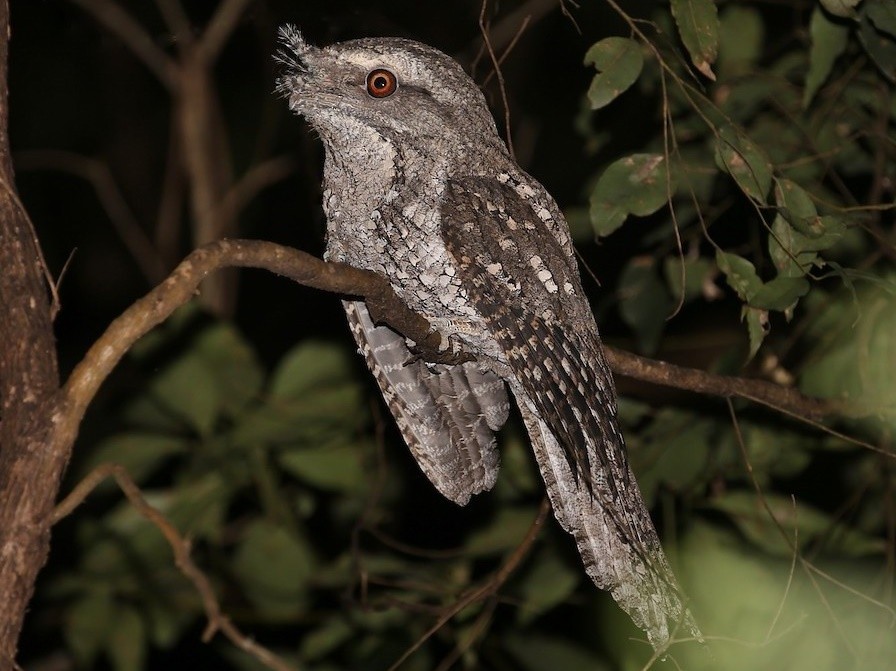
{"x": 180, "y": 546}
{"x": 385, "y": 307}
{"x": 181, "y": 285}
{"x": 785, "y": 399}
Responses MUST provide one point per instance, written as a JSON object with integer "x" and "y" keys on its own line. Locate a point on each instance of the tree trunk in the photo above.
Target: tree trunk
{"x": 30, "y": 471}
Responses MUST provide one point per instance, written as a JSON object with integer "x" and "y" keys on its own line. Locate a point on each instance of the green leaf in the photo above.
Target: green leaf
{"x": 794, "y": 253}
{"x": 326, "y": 638}
{"x": 879, "y": 45}
{"x": 757, "y": 327}
{"x": 698, "y": 25}
{"x": 140, "y": 453}
{"x": 639, "y": 184}
{"x": 537, "y": 652}
{"x": 672, "y": 452}
{"x": 335, "y": 467}
{"x": 87, "y": 623}
{"x": 741, "y": 158}
{"x": 796, "y": 203}
{"x": 196, "y": 506}
{"x": 853, "y": 351}
{"x": 798, "y": 233}
{"x": 789, "y": 250}
{"x": 188, "y": 389}
{"x": 644, "y": 302}
{"x": 882, "y": 14}
{"x": 126, "y": 645}
{"x": 750, "y": 515}
{"x": 842, "y": 8}
{"x": 333, "y": 411}
{"x": 780, "y": 293}
{"x": 166, "y": 621}
{"x": 741, "y": 38}
{"x": 739, "y": 273}
{"x": 774, "y": 451}
{"x": 698, "y": 276}
{"x": 308, "y": 368}
{"x": 232, "y": 364}
{"x": 618, "y": 61}
{"x": 146, "y": 413}
{"x": 273, "y": 566}
{"x": 546, "y": 583}
{"x": 504, "y": 531}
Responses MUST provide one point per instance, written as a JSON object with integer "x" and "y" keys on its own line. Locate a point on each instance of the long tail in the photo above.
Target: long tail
{"x": 620, "y": 547}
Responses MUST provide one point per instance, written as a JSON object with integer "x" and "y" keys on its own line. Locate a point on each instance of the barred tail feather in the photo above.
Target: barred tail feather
{"x": 629, "y": 563}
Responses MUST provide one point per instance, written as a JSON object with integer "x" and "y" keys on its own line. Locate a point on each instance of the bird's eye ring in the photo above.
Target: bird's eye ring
{"x": 381, "y": 83}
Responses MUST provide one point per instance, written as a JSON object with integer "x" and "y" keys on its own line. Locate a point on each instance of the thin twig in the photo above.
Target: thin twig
{"x": 506, "y": 29}
{"x": 487, "y": 588}
{"x": 178, "y": 22}
{"x": 121, "y": 216}
{"x": 180, "y": 546}
{"x": 133, "y": 36}
{"x": 221, "y": 27}
{"x": 255, "y": 179}
{"x": 472, "y": 633}
{"x": 484, "y": 29}
{"x": 508, "y": 49}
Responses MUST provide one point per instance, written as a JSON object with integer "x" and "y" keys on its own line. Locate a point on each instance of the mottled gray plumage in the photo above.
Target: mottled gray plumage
{"x": 419, "y": 187}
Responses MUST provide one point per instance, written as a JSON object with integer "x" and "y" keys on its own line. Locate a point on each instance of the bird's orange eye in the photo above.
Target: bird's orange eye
{"x": 381, "y": 83}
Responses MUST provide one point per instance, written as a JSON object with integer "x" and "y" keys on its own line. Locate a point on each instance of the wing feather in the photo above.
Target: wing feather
{"x": 446, "y": 414}
{"x": 520, "y": 278}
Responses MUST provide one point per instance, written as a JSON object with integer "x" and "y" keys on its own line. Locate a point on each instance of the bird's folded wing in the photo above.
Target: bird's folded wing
{"x": 527, "y": 288}
{"x": 520, "y": 279}
{"x": 447, "y": 414}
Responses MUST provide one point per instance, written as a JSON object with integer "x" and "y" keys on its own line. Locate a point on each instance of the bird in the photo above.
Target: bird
{"x": 419, "y": 187}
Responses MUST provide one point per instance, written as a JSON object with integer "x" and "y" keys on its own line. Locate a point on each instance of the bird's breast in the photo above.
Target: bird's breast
{"x": 400, "y": 238}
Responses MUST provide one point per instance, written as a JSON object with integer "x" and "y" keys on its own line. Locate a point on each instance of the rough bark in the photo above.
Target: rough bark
{"x": 29, "y": 471}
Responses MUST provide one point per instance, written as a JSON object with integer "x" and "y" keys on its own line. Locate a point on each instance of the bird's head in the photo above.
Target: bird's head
{"x": 401, "y": 89}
